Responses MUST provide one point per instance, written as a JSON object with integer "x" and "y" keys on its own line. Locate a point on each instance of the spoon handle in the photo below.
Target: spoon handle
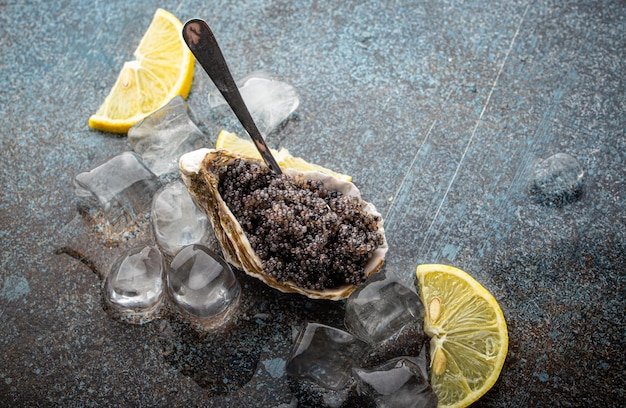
{"x": 203, "y": 45}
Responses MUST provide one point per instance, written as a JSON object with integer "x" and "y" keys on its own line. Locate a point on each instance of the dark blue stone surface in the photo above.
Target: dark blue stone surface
{"x": 438, "y": 109}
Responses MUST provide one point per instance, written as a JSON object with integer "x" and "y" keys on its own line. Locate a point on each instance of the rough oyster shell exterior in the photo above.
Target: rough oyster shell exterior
{"x": 198, "y": 174}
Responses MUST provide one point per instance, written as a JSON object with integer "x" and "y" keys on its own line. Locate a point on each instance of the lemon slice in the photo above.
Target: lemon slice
{"x": 231, "y": 142}
{"x": 162, "y": 69}
{"x": 469, "y": 339}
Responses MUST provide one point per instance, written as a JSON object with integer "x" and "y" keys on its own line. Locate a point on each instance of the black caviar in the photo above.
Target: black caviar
{"x": 302, "y": 231}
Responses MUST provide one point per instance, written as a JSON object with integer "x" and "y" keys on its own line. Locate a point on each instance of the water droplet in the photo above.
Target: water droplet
{"x": 557, "y": 180}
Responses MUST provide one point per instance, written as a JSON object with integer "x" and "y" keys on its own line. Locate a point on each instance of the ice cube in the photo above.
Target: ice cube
{"x": 325, "y": 355}
{"x": 399, "y": 383}
{"x": 202, "y": 284}
{"x": 134, "y": 287}
{"x": 382, "y": 307}
{"x": 176, "y": 218}
{"x": 269, "y": 101}
{"x": 123, "y": 186}
{"x": 557, "y": 180}
{"x": 165, "y": 135}
{"x": 408, "y": 341}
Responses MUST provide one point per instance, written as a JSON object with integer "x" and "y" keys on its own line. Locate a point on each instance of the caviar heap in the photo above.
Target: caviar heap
{"x": 303, "y": 232}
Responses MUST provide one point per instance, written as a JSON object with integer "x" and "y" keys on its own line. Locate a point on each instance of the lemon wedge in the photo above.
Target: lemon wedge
{"x": 231, "y": 142}
{"x": 469, "y": 338}
{"x": 162, "y": 69}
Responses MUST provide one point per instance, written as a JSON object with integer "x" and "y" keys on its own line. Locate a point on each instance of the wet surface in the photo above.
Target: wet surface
{"x": 440, "y": 111}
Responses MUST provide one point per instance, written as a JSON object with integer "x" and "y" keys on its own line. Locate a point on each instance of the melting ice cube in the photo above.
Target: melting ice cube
{"x": 382, "y": 307}
{"x": 123, "y": 187}
{"x": 201, "y": 283}
{"x": 269, "y": 101}
{"x": 399, "y": 383}
{"x": 325, "y": 355}
{"x": 557, "y": 180}
{"x": 176, "y": 218}
{"x": 165, "y": 135}
{"x": 135, "y": 285}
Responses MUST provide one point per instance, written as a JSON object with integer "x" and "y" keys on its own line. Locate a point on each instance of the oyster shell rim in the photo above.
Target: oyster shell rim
{"x": 203, "y": 186}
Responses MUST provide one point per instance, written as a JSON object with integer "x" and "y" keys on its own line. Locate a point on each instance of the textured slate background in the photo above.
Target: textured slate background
{"x": 438, "y": 109}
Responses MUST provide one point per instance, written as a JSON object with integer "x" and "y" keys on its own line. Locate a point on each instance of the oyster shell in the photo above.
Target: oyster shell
{"x": 198, "y": 173}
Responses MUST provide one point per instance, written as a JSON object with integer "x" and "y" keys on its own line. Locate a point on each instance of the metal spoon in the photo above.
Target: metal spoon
{"x": 203, "y": 45}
